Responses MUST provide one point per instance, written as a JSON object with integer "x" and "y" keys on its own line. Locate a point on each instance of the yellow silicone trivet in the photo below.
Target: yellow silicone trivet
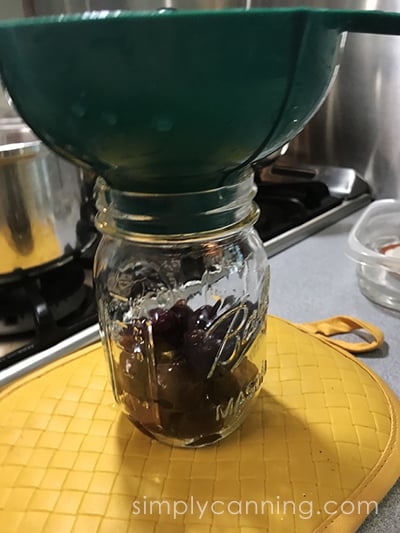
{"x": 323, "y": 436}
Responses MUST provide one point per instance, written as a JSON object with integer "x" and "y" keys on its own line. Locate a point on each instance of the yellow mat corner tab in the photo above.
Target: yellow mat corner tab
{"x": 317, "y": 453}
{"x": 336, "y": 325}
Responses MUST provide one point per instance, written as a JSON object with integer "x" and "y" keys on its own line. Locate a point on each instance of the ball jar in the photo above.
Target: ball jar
{"x": 182, "y": 315}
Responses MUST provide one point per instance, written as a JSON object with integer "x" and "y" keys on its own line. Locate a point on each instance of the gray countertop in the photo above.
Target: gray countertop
{"x": 314, "y": 280}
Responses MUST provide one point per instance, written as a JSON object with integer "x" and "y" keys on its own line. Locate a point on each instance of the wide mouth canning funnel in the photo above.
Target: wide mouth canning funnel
{"x": 174, "y": 101}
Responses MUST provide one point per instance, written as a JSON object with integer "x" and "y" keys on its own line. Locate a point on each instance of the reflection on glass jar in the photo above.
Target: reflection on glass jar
{"x": 183, "y": 325}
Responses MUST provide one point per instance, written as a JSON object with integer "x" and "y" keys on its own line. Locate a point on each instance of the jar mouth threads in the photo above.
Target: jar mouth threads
{"x": 174, "y": 215}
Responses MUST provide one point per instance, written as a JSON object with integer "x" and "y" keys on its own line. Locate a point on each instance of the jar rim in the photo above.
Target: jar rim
{"x": 219, "y": 233}
{"x": 166, "y": 217}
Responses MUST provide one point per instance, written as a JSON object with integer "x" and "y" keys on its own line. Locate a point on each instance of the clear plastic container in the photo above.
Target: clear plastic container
{"x": 374, "y": 243}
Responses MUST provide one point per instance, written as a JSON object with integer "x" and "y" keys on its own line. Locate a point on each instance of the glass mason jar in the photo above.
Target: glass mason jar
{"x": 182, "y": 297}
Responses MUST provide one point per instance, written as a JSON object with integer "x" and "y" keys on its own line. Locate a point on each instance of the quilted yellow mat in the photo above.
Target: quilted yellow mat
{"x": 319, "y": 448}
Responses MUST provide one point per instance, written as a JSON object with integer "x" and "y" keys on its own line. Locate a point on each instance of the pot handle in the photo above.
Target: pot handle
{"x": 378, "y": 22}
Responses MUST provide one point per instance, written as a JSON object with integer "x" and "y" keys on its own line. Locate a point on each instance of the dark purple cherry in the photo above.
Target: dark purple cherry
{"x": 200, "y": 350}
{"x": 163, "y": 321}
{"x": 183, "y": 314}
{"x": 201, "y": 318}
{"x": 186, "y": 411}
{"x": 222, "y": 386}
{"x": 178, "y": 386}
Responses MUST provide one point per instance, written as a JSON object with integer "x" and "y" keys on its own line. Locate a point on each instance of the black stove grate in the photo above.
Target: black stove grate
{"x": 289, "y": 197}
{"x": 284, "y": 206}
{"x": 52, "y": 306}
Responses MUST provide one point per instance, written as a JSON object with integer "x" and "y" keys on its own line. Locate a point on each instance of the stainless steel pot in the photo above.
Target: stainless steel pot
{"x": 46, "y": 211}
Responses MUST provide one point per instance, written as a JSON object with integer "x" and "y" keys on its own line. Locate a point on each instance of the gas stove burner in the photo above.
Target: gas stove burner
{"x": 295, "y": 202}
{"x": 53, "y": 306}
{"x": 62, "y": 290}
{"x": 284, "y": 206}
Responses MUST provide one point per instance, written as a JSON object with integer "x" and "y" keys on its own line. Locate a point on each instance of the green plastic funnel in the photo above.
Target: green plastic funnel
{"x": 174, "y": 101}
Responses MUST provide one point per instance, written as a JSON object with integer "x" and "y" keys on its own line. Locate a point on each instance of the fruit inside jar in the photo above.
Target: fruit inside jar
{"x": 188, "y": 376}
